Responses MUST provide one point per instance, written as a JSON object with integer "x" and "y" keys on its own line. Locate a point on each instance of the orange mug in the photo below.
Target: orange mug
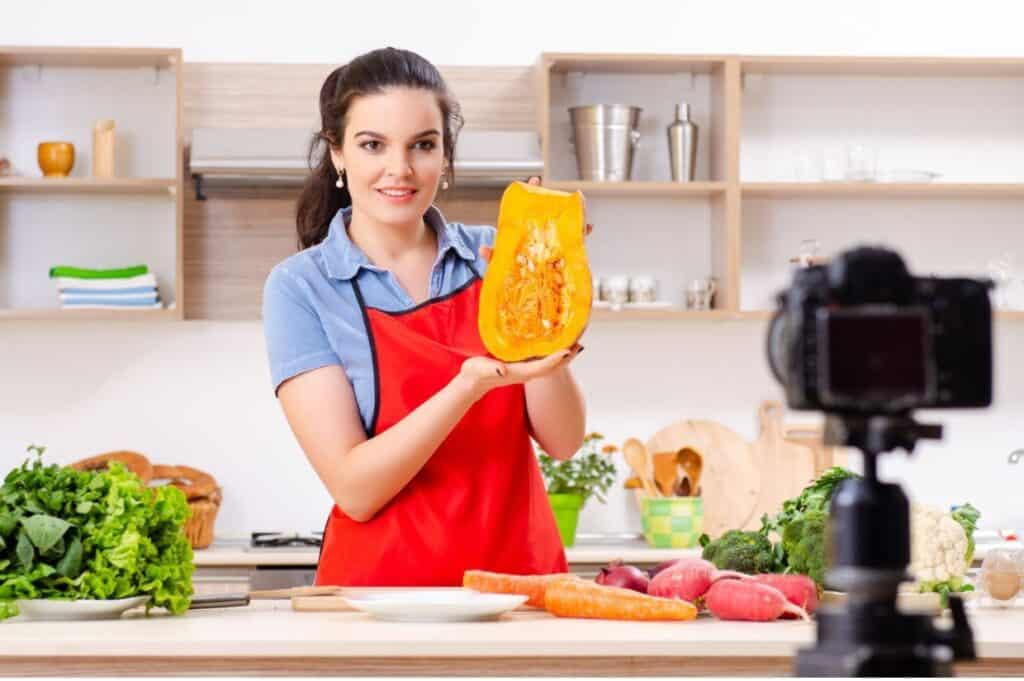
{"x": 56, "y": 158}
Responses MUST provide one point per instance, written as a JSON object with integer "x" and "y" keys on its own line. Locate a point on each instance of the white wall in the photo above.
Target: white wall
{"x": 198, "y": 392}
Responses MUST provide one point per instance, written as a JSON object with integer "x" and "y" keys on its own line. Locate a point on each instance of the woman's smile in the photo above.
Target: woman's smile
{"x": 397, "y": 195}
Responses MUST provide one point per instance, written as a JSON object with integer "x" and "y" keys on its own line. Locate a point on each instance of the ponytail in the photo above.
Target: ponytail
{"x": 320, "y": 198}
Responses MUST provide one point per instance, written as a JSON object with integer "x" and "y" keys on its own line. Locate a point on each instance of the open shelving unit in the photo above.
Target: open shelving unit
{"x": 57, "y": 93}
{"x": 749, "y": 207}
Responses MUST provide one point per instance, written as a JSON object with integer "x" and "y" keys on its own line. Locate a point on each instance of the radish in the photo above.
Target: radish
{"x": 800, "y": 590}
{"x": 688, "y": 579}
{"x": 734, "y": 599}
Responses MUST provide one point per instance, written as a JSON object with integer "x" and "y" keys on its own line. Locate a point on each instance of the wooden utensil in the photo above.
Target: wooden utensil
{"x": 638, "y": 457}
{"x": 729, "y": 478}
{"x": 813, "y": 437}
{"x": 693, "y": 464}
{"x": 666, "y": 472}
{"x": 319, "y": 603}
{"x": 786, "y": 467}
{"x": 296, "y": 591}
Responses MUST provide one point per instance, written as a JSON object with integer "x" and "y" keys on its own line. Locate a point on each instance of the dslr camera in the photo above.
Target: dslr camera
{"x": 867, "y": 343}
{"x": 861, "y": 335}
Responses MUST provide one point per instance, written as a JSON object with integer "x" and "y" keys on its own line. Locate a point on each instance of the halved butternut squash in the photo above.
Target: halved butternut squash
{"x": 537, "y": 292}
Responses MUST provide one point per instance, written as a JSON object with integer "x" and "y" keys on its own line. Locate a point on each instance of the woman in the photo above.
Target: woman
{"x": 421, "y": 438}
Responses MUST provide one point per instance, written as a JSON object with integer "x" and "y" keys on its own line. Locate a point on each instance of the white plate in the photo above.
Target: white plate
{"x": 434, "y": 605}
{"x": 84, "y": 609}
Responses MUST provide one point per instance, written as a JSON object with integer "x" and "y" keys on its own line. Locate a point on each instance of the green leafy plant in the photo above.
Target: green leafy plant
{"x": 70, "y": 534}
{"x": 590, "y": 472}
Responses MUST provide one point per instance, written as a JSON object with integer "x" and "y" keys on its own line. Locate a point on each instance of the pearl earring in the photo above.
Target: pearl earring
{"x": 444, "y": 184}
{"x": 341, "y": 180}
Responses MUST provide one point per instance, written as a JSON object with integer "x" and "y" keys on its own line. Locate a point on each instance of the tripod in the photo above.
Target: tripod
{"x": 869, "y": 548}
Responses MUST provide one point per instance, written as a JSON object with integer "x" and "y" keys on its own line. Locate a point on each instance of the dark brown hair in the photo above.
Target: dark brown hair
{"x": 367, "y": 74}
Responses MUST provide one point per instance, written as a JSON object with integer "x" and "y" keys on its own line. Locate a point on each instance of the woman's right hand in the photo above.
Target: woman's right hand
{"x": 484, "y": 373}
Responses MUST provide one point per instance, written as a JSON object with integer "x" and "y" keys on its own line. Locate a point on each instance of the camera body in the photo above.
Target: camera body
{"x": 860, "y": 335}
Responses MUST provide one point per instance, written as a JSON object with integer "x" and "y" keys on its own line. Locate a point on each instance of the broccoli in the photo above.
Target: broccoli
{"x": 749, "y": 552}
{"x": 803, "y": 542}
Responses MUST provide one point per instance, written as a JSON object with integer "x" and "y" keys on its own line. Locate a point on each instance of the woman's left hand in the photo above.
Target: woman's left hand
{"x": 487, "y": 251}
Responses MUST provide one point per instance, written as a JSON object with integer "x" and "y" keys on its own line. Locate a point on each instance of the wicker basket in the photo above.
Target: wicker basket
{"x": 203, "y": 504}
{"x": 199, "y": 526}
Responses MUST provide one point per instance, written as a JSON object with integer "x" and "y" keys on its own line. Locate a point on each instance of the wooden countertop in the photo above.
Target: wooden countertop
{"x": 269, "y": 636}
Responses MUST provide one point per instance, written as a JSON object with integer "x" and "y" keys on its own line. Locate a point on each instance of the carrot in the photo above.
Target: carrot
{"x": 688, "y": 579}
{"x": 741, "y": 599}
{"x": 524, "y": 585}
{"x": 800, "y": 590}
{"x": 588, "y": 600}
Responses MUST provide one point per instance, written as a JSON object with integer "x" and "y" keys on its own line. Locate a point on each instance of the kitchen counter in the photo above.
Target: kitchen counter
{"x": 587, "y": 552}
{"x": 237, "y": 553}
{"x": 268, "y": 637}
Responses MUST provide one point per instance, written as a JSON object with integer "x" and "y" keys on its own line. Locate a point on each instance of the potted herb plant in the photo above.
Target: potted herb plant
{"x": 570, "y": 483}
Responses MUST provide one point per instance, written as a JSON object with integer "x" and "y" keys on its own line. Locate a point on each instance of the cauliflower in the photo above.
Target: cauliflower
{"x": 939, "y": 550}
{"x": 938, "y": 545}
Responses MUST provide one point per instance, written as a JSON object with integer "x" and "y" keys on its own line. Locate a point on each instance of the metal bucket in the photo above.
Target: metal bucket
{"x": 605, "y": 137}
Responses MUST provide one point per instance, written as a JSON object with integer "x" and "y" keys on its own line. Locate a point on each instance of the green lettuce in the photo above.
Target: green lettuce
{"x": 72, "y": 534}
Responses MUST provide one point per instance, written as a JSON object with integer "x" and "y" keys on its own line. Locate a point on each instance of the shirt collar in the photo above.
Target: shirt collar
{"x": 342, "y": 258}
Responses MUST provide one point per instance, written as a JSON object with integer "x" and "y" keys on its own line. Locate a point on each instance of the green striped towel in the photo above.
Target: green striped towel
{"x": 85, "y": 273}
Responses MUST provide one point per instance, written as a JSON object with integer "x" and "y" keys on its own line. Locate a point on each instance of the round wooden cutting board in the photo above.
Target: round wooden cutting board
{"x": 730, "y": 480}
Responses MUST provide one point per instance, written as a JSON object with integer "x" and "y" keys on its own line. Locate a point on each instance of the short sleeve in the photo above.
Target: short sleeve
{"x": 477, "y": 236}
{"x": 295, "y": 337}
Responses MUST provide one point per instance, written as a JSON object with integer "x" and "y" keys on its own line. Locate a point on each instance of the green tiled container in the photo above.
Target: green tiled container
{"x": 672, "y": 522}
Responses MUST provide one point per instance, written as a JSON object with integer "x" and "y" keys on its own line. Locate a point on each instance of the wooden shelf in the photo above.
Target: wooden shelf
{"x": 604, "y": 314}
{"x": 51, "y": 314}
{"x": 695, "y": 189}
{"x": 114, "y": 57}
{"x": 1000, "y": 315}
{"x": 559, "y": 62}
{"x": 884, "y": 66}
{"x": 937, "y": 190}
{"x": 112, "y": 185}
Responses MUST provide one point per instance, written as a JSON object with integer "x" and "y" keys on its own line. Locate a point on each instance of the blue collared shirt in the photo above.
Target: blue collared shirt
{"x": 311, "y": 317}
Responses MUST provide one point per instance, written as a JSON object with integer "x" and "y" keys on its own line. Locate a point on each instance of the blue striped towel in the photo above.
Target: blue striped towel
{"x": 150, "y": 296}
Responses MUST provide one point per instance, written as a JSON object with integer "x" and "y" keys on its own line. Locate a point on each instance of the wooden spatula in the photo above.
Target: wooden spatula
{"x": 639, "y": 459}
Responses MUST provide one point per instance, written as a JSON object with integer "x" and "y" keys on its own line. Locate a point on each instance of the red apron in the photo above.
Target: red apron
{"x": 479, "y": 502}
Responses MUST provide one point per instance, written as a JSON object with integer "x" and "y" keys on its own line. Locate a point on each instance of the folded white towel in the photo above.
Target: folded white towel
{"x": 104, "y": 284}
{"x": 107, "y": 296}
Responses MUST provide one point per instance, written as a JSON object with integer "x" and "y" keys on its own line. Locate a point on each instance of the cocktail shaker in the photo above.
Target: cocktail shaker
{"x": 682, "y": 144}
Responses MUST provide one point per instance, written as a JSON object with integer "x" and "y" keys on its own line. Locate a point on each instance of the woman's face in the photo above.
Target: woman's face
{"x": 392, "y": 154}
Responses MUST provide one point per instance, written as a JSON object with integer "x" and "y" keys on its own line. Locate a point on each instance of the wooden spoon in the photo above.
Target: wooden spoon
{"x": 666, "y": 471}
{"x": 639, "y": 459}
{"x": 693, "y": 463}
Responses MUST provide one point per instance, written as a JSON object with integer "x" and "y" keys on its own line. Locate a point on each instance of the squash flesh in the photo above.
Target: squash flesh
{"x": 537, "y": 292}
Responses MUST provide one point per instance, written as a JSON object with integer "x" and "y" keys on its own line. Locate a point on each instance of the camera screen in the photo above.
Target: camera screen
{"x": 875, "y": 354}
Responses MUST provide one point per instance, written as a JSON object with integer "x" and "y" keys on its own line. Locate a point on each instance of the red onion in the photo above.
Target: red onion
{"x": 661, "y": 566}
{"x": 624, "y": 576}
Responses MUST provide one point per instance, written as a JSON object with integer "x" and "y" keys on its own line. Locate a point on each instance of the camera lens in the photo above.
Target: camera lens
{"x": 776, "y": 346}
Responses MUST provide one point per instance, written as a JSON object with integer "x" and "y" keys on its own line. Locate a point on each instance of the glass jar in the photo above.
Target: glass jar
{"x": 643, "y": 289}
{"x": 615, "y": 289}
